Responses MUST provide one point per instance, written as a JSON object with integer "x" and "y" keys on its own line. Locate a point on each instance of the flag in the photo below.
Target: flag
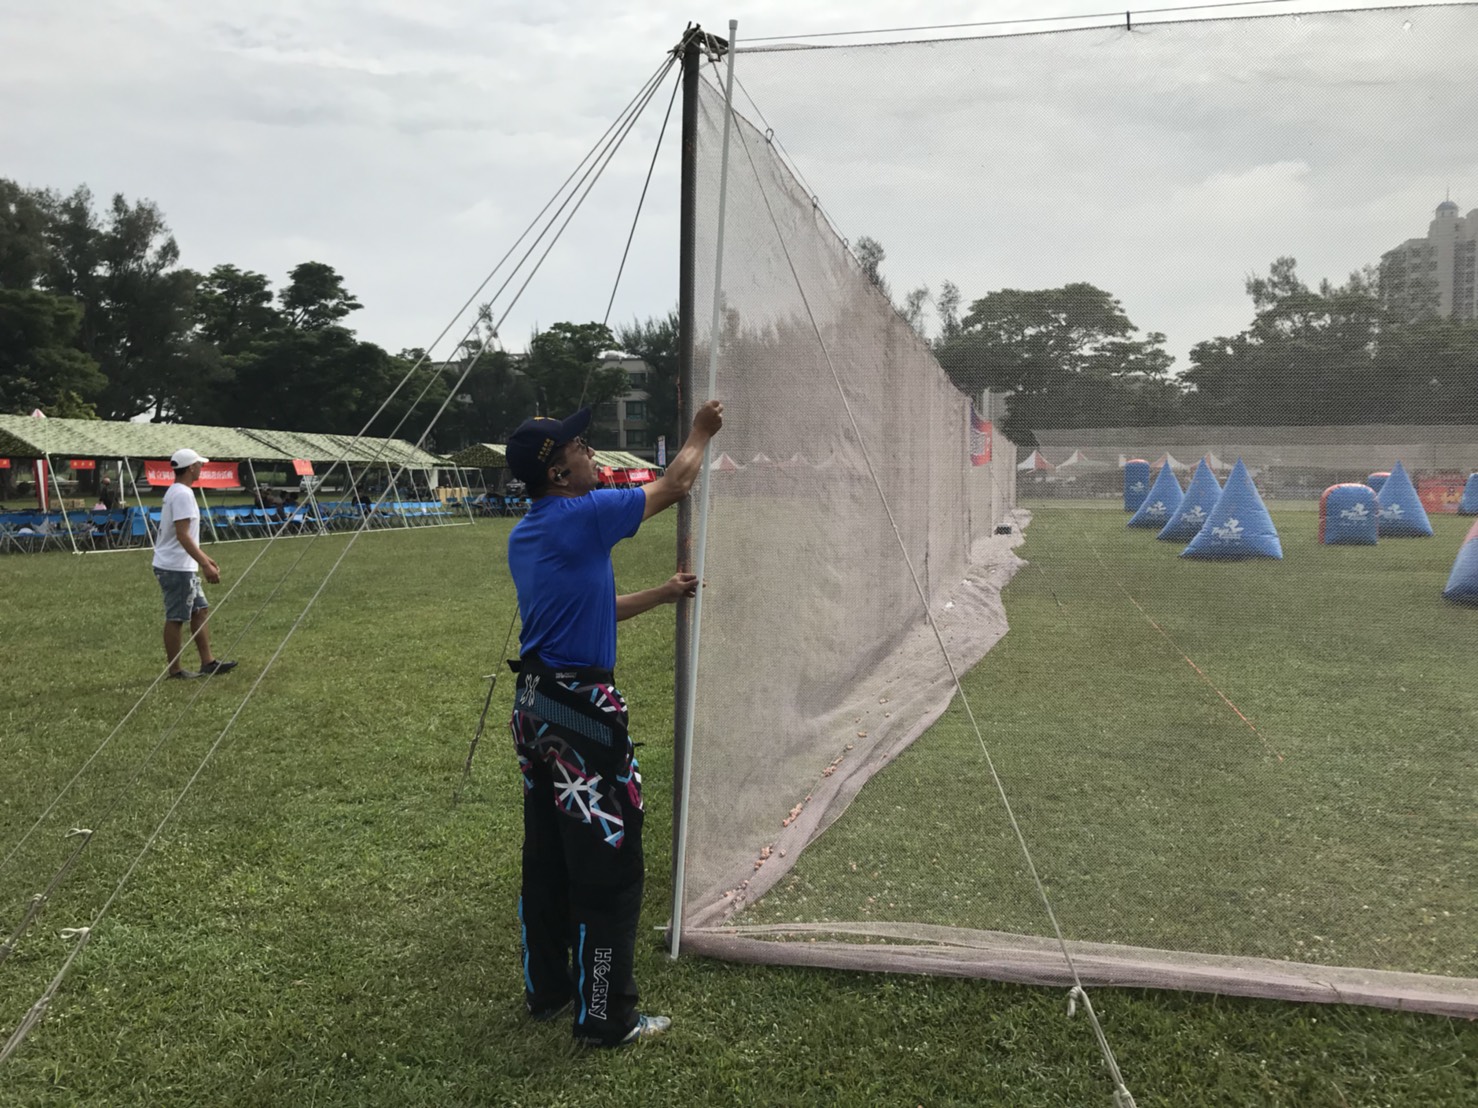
{"x": 980, "y": 438}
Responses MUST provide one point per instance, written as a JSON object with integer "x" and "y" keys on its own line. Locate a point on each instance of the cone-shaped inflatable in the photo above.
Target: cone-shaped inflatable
{"x": 1348, "y": 516}
{"x": 1195, "y": 509}
{"x": 1469, "y": 504}
{"x": 1401, "y": 511}
{"x": 1462, "y": 586}
{"x": 1164, "y": 498}
{"x": 1376, "y": 480}
{"x": 1136, "y": 483}
{"x": 1240, "y": 526}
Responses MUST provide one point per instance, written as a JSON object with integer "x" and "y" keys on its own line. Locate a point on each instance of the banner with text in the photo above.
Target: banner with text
{"x": 214, "y": 475}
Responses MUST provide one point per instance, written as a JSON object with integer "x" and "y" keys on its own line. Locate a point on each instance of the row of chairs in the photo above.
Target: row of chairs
{"x": 36, "y": 531}
{"x": 491, "y": 504}
{"x": 26, "y": 532}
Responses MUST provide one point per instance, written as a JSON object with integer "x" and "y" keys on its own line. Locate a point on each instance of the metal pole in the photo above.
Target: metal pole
{"x": 684, "y": 743}
{"x": 61, "y": 504}
{"x": 143, "y": 511}
{"x": 686, "y": 305}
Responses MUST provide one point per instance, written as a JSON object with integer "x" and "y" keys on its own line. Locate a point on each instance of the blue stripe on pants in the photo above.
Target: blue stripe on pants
{"x": 580, "y": 958}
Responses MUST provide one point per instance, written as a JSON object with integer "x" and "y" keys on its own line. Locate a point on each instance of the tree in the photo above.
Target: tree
{"x": 655, "y": 341}
{"x": 137, "y": 308}
{"x": 315, "y": 297}
{"x": 948, "y": 306}
{"x": 39, "y": 365}
{"x": 233, "y": 307}
{"x": 23, "y": 249}
{"x": 1308, "y": 357}
{"x": 871, "y": 255}
{"x": 492, "y": 399}
{"x": 564, "y": 366}
{"x": 1068, "y": 356}
{"x": 912, "y": 309}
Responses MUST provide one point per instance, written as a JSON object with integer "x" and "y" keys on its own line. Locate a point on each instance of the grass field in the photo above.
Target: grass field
{"x": 320, "y": 925}
{"x": 1341, "y": 830}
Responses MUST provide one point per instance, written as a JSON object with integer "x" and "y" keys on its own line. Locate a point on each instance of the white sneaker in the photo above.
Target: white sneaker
{"x": 647, "y": 1027}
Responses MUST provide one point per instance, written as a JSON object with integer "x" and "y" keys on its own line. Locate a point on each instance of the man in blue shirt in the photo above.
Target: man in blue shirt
{"x": 582, "y": 855}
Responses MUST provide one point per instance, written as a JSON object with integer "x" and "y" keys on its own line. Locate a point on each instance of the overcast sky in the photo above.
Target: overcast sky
{"x": 409, "y": 142}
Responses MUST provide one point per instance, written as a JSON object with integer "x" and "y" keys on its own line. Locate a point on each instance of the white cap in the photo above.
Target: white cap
{"x": 184, "y": 459}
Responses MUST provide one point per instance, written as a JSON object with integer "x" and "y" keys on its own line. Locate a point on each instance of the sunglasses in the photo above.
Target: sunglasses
{"x": 576, "y": 443}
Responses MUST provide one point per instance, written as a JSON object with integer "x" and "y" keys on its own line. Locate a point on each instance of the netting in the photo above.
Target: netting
{"x": 1236, "y": 772}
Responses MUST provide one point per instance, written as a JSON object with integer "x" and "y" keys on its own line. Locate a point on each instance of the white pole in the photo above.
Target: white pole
{"x": 139, "y": 500}
{"x": 61, "y": 504}
{"x": 316, "y": 508}
{"x": 701, "y": 522}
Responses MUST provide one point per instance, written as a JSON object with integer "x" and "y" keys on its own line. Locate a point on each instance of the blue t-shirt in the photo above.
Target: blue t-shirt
{"x": 560, "y": 558}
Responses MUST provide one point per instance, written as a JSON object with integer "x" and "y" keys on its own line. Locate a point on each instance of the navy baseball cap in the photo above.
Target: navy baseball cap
{"x": 531, "y": 446}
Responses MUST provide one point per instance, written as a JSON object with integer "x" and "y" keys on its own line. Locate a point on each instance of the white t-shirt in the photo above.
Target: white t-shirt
{"x": 179, "y": 503}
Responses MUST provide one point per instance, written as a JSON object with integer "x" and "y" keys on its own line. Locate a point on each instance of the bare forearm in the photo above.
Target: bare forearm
{"x": 670, "y": 591}
{"x": 685, "y": 468}
{"x": 635, "y": 603}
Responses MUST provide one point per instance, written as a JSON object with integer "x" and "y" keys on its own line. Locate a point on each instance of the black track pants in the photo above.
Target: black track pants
{"x": 582, "y": 849}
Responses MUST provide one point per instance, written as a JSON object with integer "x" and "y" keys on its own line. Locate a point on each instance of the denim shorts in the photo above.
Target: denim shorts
{"x": 183, "y": 595}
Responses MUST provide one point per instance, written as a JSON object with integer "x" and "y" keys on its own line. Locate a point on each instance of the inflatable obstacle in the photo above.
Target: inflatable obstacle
{"x": 1469, "y": 504}
{"x": 1401, "y": 511}
{"x": 1462, "y": 586}
{"x": 1136, "y": 483}
{"x": 1161, "y": 503}
{"x": 1349, "y": 515}
{"x": 1376, "y": 480}
{"x": 1239, "y": 525}
{"x": 1195, "y": 509}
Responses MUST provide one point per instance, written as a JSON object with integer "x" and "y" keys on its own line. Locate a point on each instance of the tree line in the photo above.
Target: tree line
{"x": 99, "y": 320}
{"x": 1070, "y": 357}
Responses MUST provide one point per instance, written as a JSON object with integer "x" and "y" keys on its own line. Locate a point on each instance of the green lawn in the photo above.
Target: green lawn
{"x": 320, "y": 925}
{"x": 1342, "y": 830}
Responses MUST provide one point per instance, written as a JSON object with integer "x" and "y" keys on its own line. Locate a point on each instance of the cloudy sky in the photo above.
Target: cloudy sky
{"x": 409, "y": 142}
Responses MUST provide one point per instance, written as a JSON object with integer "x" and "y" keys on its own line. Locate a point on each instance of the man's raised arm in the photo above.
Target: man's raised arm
{"x": 678, "y": 481}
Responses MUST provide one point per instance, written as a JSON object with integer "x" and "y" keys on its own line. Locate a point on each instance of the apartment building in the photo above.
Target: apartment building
{"x": 1436, "y": 275}
{"x": 622, "y": 423}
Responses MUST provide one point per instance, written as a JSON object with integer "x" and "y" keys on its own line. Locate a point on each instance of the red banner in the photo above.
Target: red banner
{"x": 214, "y": 475}
{"x": 83, "y": 463}
{"x": 4, "y": 463}
{"x": 302, "y": 467}
{"x": 1441, "y": 492}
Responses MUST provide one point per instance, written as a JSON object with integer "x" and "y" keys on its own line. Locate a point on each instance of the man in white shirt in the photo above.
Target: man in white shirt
{"x": 177, "y": 556}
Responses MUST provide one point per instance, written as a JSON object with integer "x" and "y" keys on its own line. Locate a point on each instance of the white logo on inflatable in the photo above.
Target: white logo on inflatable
{"x": 1195, "y": 515}
{"x": 1138, "y": 486}
{"x": 1392, "y": 512}
{"x": 1357, "y": 514}
{"x": 1156, "y": 509}
{"x": 1231, "y": 532}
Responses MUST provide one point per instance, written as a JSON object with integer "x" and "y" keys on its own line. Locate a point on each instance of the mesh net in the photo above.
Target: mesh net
{"x": 1244, "y": 774}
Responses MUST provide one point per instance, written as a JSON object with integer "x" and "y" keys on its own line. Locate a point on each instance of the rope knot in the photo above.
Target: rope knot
{"x": 1074, "y": 995}
{"x": 75, "y": 932}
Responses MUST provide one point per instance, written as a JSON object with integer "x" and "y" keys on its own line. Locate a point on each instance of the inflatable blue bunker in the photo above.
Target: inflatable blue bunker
{"x": 1136, "y": 483}
{"x": 1462, "y": 586}
{"x": 1239, "y": 526}
{"x": 1349, "y": 515}
{"x": 1401, "y": 511}
{"x": 1161, "y": 503}
{"x": 1469, "y": 504}
{"x": 1195, "y": 509}
{"x": 1377, "y": 479}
